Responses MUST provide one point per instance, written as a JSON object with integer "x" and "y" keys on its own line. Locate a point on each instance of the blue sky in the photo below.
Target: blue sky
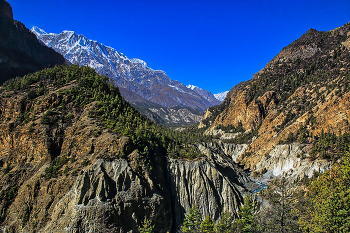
{"x": 213, "y": 44}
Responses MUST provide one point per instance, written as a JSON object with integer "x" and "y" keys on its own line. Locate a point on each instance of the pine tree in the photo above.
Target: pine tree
{"x": 207, "y": 226}
{"x": 328, "y": 208}
{"x": 146, "y": 227}
{"x": 246, "y": 221}
{"x": 224, "y": 225}
{"x": 279, "y": 216}
{"x": 192, "y": 221}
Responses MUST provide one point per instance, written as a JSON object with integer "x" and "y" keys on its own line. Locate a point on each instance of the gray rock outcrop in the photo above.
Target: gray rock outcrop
{"x": 111, "y": 197}
{"x": 288, "y": 159}
{"x": 214, "y": 184}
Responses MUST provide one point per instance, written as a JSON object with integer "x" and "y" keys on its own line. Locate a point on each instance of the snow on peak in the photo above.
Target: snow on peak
{"x": 221, "y": 96}
{"x": 192, "y": 87}
{"x": 38, "y": 31}
{"x": 176, "y": 88}
{"x": 68, "y": 32}
{"x": 136, "y": 60}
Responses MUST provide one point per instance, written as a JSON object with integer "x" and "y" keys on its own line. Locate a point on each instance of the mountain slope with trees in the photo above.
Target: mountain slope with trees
{"x": 300, "y": 96}
{"x": 70, "y": 139}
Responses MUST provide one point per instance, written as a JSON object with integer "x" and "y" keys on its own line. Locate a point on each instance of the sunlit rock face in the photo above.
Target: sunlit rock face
{"x": 301, "y": 94}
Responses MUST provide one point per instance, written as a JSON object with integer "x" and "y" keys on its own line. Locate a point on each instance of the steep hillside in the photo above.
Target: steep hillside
{"x": 75, "y": 156}
{"x": 300, "y": 97}
{"x": 20, "y": 51}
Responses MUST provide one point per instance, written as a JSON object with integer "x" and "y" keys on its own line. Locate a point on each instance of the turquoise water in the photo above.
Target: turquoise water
{"x": 262, "y": 187}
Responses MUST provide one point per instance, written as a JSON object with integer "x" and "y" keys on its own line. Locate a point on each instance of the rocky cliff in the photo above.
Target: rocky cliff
{"x": 214, "y": 184}
{"x": 66, "y": 172}
{"x": 302, "y": 93}
{"x": 20, "y": 51}
{"x": 66, "y": 166}
{"x": 290, "y": 159}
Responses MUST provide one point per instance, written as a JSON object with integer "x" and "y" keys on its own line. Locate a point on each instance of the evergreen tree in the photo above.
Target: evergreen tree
{"x": 224, "y": 225}
{"x": 246, "y": 221}
{"x": 146, "y": 227}
{"x": 279, "y": 216}
{"x": 192, "y": 221}
{"x": 207, "y": 226}
{"x": 328, "y": 208}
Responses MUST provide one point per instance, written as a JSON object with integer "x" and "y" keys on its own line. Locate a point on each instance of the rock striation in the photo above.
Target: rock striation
{"x": 287, "y": 159}
{"x": 214, "y": 184}
{"x": 110, "y": 197}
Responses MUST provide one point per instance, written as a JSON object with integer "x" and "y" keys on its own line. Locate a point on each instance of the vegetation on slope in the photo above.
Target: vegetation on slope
{"x": 62, "y": 120}
{"x": 317, "y": 204}
{"x": 305, "y": 89}
{"x": 113, "y": 111}
{"x": 326, "y": 207}
{"x": 308, "y": 80}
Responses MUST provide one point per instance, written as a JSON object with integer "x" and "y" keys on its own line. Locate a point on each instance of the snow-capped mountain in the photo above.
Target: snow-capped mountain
{"x": 221, "y": 96}
{"x": 192, "y": 87}
{"x": 132, "y": 74}
{"x": 204, "y": 93}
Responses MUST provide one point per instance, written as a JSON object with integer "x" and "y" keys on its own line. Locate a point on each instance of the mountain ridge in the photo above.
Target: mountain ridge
{"x": 205, "y": 94}
{"x": 221, "y": 96}
{"x": 20, "y": 51}
{"x": 132, "y": 74}
{"x": 311, "y": 100}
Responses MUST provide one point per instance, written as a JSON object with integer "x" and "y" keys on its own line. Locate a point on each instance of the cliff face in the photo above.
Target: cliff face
{"x": 69, "y": 175}
{"x": 287, "y": 159}
{"x": 301, "y": 93}
{"x": 62, "y": 169}
{"x": 110, "y": 197}
{"x": 214, "y": 184}
{"x": 20, "y": 51}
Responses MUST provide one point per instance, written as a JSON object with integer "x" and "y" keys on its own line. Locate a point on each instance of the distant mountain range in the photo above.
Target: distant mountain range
{"x": 205, "y": 94}
{"x": 221, "y": 96}
{"x": 133, "y": 74}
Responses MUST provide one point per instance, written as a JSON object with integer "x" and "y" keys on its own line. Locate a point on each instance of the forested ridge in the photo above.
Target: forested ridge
{"x": 112, "y": 110}
{"x": 56, "y": 100}
{"x": 299, "y": 100}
